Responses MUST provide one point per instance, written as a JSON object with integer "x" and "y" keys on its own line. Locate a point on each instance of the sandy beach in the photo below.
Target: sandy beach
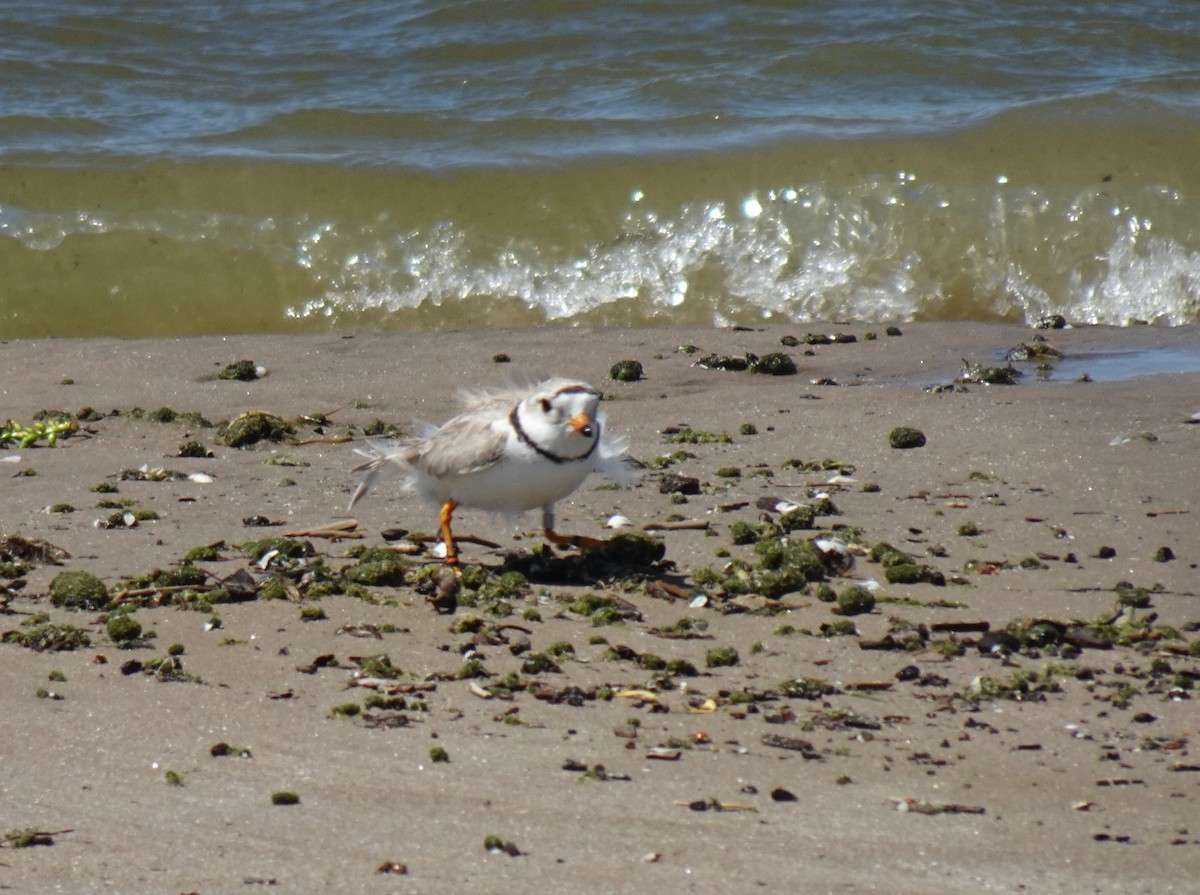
{"x": 649, "y": 725}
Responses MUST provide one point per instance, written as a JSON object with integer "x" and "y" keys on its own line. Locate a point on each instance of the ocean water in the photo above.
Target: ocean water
{"x": 171, "y": 168}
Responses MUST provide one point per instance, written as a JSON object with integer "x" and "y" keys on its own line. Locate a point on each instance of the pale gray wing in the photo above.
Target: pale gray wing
{"x": 468, "y": 443}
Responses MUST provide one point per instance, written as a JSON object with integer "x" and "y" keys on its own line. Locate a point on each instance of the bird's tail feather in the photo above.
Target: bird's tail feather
{"x": 378, "y": 454}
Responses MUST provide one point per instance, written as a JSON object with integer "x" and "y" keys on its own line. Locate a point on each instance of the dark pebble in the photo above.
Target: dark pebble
{"x": 779, "y": 794}
{"x": 1144, "y": 718}
{"x": 908, "y": 673}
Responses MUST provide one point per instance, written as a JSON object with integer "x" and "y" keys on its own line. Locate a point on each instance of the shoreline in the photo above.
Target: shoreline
{"x": 1052, "y": 769}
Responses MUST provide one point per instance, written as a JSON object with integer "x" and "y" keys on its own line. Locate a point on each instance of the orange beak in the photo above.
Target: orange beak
{"x": 582, "y": 424}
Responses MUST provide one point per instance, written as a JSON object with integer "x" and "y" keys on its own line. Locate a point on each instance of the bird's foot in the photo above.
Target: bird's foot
{"x": 581, "y": 542}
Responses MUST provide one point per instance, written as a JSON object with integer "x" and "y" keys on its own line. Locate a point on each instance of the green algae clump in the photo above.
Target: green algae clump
{"x": 906, "y": 437}
{"x": 855, "y": 600}
{"x": 626, "y": 371}
{"x": 242, "y": 371}
{"x": 721, "y": 656}
{"x": 774, "y": 364}
{"x": 254, "y": 426}
{"x": 123, "y": 628}
{"x": 78, "y": 590}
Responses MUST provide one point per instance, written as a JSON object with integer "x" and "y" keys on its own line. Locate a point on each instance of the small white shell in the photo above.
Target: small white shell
{"x": 200, "y": 478}
{"x": 618, "y": 521}
{"x": 439, "y": 550}
{"x": 698, "y": 602}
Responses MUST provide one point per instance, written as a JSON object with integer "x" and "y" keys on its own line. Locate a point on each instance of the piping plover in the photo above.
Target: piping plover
{"x": 509, "y": 450}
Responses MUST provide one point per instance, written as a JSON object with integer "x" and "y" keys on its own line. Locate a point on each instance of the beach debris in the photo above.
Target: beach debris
{"x": 626, "y": 371}
{"x": 284, "y": 797}
{"x": 224, "y": 750}
{"x": 253, "y": 426}
{"x": 1036, "y": 350}
{"x": 441, "y": 587}
{"x": 16, "y": 548}
{"x": 78, "y": 590}
{"x": 334, "y": 531}
{"x": 393, "y": 867}
{"x": 721, "y": 656}
{"x": 663, "y": 753}
{"x": 674, "y": 483}
{"x": 29, "y": 837}
{"x": 686, "y": 628}
{"x": 1051, "y": 321}
{"x": 688, "y": 435}
{"x": 855, "y": 600}
{"x": 715, "y": 804}
{"x": 44, "y": 636}
{"x": 723, "y": 362}
{"x": 195, "y": 450}
{"x": 122, "y": 628}
{"x": 983, "y": 375}
{"x": 791, "y": 744}
{"x": 916, "y": 806}
{"x": 906, "y": 437}
{"x": 1163, "y": 554}
{"x": 641, "y": 696}
{"x": 665, "y": 590}
{"x": 242, "y": 371}
{"x": 497, "y": 846}
{"x": 48, "y": 430}
{"x": 629, "y": 554}
{"x": 774, "y": 364}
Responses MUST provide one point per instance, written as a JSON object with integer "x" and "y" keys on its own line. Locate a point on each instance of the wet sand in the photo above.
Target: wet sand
{"x": 909, "y": 770}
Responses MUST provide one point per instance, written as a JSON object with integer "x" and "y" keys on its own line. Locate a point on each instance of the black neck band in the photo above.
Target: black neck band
{"x": 515, "y": 418}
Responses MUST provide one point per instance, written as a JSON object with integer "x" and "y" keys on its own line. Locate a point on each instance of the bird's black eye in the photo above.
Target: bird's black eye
{"x": 545, "y": 405}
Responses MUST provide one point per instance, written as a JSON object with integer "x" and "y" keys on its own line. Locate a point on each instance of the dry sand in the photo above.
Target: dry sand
{"x": 1092, "y": 787}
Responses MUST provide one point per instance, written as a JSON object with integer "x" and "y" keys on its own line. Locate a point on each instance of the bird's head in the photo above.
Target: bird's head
{"x": 562, "y": 417}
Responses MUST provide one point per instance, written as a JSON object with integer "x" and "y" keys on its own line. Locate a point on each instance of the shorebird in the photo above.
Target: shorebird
{"x": 510, "y": 450}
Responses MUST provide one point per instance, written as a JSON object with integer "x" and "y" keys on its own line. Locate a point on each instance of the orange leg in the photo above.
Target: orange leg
{"x": 583, "y": 542}
{"x": 447, "y": 537}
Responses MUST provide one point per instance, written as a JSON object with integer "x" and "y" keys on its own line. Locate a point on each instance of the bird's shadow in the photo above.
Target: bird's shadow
{"x": 624, "y": 556}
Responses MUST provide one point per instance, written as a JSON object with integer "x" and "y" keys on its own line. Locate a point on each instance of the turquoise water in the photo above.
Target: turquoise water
{"x": 172, "y": 168}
